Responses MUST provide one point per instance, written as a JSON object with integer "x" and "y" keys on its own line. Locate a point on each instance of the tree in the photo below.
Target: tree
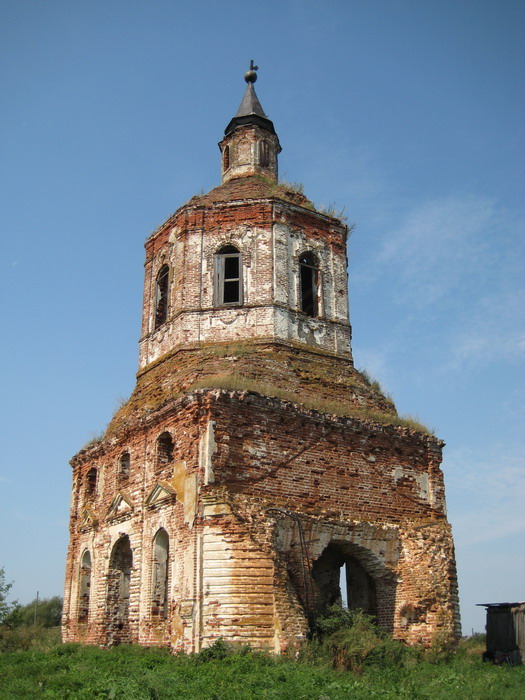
{"x": 5, "y": 607}
{"x": 46, "y": 612}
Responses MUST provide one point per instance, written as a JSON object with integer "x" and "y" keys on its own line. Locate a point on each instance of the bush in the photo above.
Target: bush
{"x": 442, "y": 649}
{"x": 351, "y": 641}
{"x": 218, "y": 650}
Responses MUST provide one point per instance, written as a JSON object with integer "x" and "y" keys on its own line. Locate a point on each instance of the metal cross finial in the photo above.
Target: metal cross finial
{"x": 251, "y": 76}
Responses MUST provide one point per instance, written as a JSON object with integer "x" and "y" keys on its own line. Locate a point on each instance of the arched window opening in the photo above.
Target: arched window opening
{"x": 159, "y": 585}
{"x": 164, "y": 450}
{"x": 226, "y": 158}
{"x": 91, "y": 482}
{"x": 84, "y": 587}
{"x": 264, "y": 153}
{"x": 161, "y": 298}
{"x": 309, "y": 284}
{"x": 124, "y": 465}
{"x": 119, "y": 579}
{"x": 228, "y": 286}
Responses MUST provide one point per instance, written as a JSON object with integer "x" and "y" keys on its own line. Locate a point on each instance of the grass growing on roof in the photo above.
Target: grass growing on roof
{"x": 235, "y": 382}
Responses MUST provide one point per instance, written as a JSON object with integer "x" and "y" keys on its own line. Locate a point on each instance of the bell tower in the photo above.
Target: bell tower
{"x": 253, "y": 468}
{"x": 252, "y": 260}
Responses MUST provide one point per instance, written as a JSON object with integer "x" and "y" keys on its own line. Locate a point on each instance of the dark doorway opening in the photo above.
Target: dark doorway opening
{"x": 341, "y": 578}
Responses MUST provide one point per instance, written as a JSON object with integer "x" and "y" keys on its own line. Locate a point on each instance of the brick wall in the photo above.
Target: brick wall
{"x": 247, "y": 474}
{"x": 253, "y": 463}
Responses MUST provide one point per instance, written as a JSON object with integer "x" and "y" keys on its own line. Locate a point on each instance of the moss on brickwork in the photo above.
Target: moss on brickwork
{"x": 323, "y": 382}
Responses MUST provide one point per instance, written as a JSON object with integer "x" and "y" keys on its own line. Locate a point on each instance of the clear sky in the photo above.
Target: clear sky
{"x": 407, "y": 114}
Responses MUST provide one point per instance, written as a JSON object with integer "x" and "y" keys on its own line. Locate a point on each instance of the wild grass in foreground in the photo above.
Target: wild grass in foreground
{"x": 223, "y": 672}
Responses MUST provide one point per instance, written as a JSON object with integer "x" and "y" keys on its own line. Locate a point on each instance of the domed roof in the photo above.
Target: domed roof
{"x": 252, "y": 187}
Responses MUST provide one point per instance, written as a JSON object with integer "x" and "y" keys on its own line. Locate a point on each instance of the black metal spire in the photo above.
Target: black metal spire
{"x": 250, "y": 110}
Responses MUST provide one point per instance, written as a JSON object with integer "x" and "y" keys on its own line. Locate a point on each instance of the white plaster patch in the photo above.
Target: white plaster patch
{"x": 207, "y": 448}
{"x": 190, "y": 499}
{"x": 422, "y": 486}
{"x": 397, "y": 473}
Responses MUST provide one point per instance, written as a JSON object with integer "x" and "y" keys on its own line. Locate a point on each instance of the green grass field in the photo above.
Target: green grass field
{"x": 222, "y": 673}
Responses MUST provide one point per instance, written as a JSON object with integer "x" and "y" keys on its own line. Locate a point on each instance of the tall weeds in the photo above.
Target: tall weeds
{"x": 350, "y": 640}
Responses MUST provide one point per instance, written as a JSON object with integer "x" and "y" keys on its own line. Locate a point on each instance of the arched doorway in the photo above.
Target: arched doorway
{"x": 341, "y": 577}
{"x": 119, "y": 577}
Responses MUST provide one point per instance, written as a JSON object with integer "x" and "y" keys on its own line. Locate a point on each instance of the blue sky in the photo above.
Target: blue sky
{"x": 407, "y": 114}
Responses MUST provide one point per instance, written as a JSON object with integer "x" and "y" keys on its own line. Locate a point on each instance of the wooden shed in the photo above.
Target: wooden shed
{"x": 505, "y": 632}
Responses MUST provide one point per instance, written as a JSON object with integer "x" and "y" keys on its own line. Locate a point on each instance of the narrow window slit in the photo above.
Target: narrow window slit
{"x": 161, "y": 298}
{"x": 309, "y": 284}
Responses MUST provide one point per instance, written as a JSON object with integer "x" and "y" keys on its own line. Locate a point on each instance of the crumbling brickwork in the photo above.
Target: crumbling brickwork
{"x": 254, "y": 477}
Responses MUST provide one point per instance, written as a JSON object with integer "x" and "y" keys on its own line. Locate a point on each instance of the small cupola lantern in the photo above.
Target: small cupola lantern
{"x": 250, "y": 145}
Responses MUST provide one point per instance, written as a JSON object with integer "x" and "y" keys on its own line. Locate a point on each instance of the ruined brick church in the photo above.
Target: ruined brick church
{"x": 254, "y": 477}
